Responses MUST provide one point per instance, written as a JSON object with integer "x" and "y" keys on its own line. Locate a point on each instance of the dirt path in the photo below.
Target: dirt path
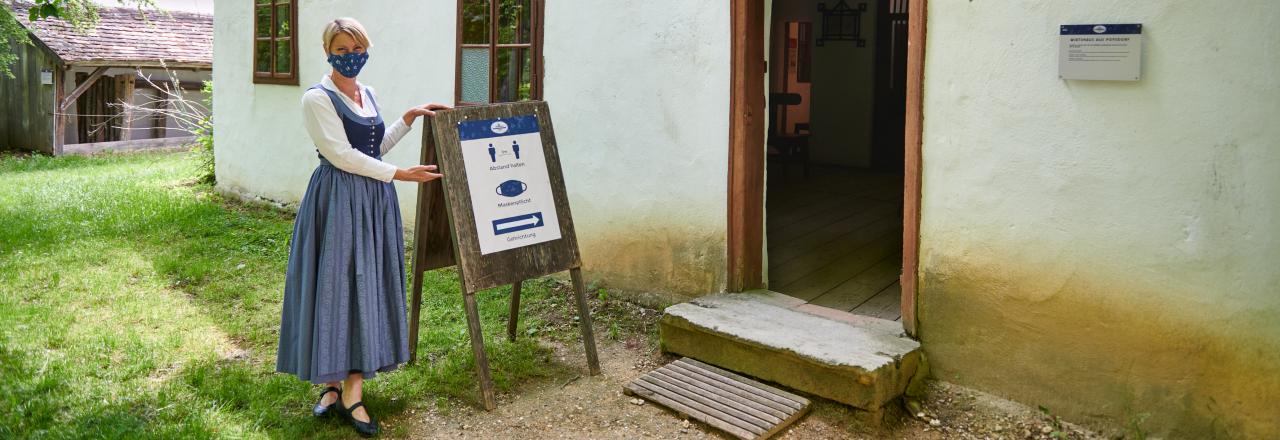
{"x": 595, "y": 408}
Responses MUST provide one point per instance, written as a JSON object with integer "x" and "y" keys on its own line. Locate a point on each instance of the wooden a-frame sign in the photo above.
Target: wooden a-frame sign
{"x": 446, "y": 226}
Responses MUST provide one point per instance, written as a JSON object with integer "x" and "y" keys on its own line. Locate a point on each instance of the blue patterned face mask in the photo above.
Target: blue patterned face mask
{"x": 348, "y": 64}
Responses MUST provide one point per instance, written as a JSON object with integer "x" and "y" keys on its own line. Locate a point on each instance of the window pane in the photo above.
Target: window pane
{"x": 263, "y": 2}
{"x": 284, "y": 56}
{"x": 282, "y": 21}
{"x": 262, "y": 56}
{"x": 514, "y": 72}
{"x": 475, "y": 21}
{"x": 262, "y": 28}
{"x": 475, "y": 75}
{"x": 513, "y": 21}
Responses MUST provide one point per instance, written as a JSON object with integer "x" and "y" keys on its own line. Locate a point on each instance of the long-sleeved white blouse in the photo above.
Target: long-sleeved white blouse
{"x": 326, "y": 131}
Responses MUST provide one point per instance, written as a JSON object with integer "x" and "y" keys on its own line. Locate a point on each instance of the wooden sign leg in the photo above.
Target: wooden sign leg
{"x": 513, "y": 316}
{"x": 415, "y": 311}
{"x": 584, "y": 320}
{"x": 477, "y": 346}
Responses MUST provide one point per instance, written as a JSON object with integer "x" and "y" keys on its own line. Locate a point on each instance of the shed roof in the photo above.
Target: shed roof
{"x": 123, "y": 38}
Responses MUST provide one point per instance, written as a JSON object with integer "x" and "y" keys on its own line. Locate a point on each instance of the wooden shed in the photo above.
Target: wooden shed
{"x": 67, "y": 83}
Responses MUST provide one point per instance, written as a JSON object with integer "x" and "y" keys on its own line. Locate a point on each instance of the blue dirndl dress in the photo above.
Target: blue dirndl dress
{"x": 344, "y": 295}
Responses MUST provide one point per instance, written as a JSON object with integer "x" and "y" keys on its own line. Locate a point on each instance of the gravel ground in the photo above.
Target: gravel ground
{"x": 593, "y": 407}
{"x": 586, "y": 407}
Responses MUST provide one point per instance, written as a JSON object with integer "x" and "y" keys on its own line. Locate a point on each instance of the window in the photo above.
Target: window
{"x": 499, "y": 51}
{"x": 275, "y": 42}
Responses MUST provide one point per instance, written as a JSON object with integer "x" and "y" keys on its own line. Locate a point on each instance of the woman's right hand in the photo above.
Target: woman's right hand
{"x": 417, "y": 173}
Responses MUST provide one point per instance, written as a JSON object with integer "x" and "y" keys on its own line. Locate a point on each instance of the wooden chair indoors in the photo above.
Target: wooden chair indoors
{"x": 787, "y": 148}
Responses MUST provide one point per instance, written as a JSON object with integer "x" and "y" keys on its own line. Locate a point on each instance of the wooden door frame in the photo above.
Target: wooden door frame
{"x": 745, "y": 246}
{"x": 746, "y": 146}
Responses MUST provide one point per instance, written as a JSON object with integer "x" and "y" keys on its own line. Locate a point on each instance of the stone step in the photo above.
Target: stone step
{"x": 861, "y": 361}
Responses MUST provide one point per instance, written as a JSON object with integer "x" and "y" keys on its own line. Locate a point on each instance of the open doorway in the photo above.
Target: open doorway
{"x": 835, "y": 163}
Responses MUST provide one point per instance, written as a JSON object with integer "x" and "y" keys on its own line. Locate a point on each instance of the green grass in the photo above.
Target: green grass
{"x": 137, "y": 303}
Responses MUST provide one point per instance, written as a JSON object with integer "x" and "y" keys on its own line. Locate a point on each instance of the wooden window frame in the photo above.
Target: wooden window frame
{"x": 273, "y": 77}
{"x": 534, "y": 45}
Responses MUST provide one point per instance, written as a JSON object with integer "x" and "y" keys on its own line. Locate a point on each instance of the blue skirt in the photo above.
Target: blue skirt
{"x": 344, "y": 293}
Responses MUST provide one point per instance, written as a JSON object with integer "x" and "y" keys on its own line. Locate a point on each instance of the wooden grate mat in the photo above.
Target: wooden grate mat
{"x": 725, "y": 400}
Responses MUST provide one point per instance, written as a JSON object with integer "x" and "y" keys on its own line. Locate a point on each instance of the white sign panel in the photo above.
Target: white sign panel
{"x": 508, "y": 181}
{"x": 1100, "y": 52}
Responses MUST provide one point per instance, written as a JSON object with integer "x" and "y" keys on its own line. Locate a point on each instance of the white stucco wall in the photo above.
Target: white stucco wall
{"x": 639, "y": 95}
{"x": 261, "y": 146}
{"x": 1107, "y": 249}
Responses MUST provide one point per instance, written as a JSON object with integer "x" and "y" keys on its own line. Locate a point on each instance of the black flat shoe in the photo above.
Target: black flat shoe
{"x": 327, "y": 410}
{"x": 365, "y": 429}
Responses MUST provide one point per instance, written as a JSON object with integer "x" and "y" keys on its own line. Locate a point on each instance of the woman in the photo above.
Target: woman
{"x": 343, "y": 316}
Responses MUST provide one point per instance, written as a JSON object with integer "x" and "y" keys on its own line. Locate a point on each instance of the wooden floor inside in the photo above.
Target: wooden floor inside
{"x": 835, "y": 239}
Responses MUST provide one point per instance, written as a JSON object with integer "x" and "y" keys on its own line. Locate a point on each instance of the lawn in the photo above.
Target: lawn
{"x": 136, "y": 303}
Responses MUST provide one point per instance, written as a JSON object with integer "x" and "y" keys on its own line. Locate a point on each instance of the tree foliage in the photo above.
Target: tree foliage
{"x": 82, "y": 15}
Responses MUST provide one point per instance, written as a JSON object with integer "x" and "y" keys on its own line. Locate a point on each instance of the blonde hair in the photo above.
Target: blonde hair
{"x": 346, "y": 25}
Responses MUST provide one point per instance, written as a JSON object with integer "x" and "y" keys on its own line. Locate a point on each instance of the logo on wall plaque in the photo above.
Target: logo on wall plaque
{"x": 508, "y": 182}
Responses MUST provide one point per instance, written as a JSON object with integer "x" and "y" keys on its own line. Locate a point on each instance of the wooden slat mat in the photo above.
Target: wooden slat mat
{"x": 740, "y": 406}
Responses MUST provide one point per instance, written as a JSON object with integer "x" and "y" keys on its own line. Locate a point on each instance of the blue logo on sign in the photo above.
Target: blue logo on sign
{"x": 517, "y": 223}
{"x": 1099, "y": 29}
{"x": 499, "y": 127}
{"x": 511, "y": 188}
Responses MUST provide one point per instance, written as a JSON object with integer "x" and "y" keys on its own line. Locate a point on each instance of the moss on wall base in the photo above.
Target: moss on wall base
{"x": 655, "y": 264}
{"x": 1105, "y": 351}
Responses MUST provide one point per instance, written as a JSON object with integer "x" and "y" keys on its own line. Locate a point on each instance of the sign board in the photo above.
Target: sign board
{"x": 500, "y": 213}
{"x": 508, "y": 182}
{"x": 501, "y": 239}
{"x": 46, "y": 77}
{"x": 1100, "y": 52}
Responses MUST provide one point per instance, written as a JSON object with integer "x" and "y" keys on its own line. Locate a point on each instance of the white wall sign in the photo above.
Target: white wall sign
{"x": 508, "y": 182}
{"x": 1100, "y": 52}
{"x": 46, "y": 77}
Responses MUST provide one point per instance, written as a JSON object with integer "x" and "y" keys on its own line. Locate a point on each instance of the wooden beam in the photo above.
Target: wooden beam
{"x": 59, "y": 118}
{"x": 746, "y": 146}
{"x": 124, "y": 93}
{"x": 88, "y": 82}
{"x": 912, "y": 164}
{"x": 141, "y": 82}
{"x": 179, "y": 142}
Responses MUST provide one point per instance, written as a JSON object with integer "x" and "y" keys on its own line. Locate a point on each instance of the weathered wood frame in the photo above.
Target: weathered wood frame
{"x": 534, "y": 46}
{"x": 446, "y": 203}
{"x": 912, "y": 163}
{"x": 746, "y": 146}
{"x": 746, "y": 155}
{"x": 272, "y": 76}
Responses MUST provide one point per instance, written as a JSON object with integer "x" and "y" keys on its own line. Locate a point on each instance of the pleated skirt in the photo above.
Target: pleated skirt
{"x": 344, "y": 295}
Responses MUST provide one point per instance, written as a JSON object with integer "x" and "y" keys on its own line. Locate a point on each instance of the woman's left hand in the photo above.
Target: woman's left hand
{"x": 428, "y": 109}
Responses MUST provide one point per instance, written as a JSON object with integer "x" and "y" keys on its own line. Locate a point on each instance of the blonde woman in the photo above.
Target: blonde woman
{"x": 343, "y": 316}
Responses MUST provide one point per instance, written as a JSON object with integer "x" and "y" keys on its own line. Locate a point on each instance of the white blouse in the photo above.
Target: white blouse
{"x": 326, "y": 130}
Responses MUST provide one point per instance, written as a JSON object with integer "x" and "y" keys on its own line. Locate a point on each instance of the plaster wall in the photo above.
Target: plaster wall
{"x": 1106, "y": 249}
{"x": 639, "y": 94}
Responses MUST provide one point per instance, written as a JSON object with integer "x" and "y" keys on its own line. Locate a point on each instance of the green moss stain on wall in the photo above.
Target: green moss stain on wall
{"x": 1109, "y": 351}
{"x": 655, "y": 263}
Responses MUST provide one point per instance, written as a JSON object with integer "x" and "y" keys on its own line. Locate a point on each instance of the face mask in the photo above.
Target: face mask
{"x": 348, "y": 64}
